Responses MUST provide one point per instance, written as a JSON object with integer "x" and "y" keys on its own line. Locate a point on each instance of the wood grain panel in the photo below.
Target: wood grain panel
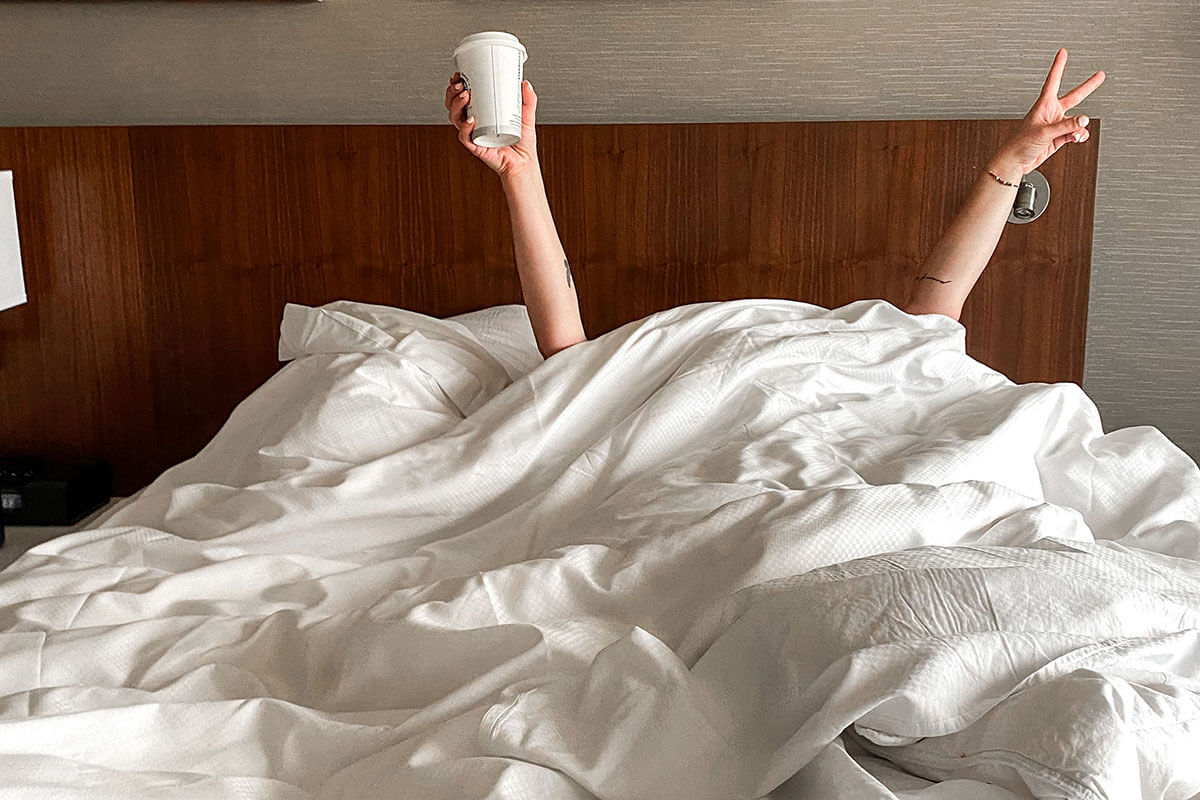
{"x": 73, "y": 368}
{"x": 823, "y": 212}
{"x": 160, "y": 258}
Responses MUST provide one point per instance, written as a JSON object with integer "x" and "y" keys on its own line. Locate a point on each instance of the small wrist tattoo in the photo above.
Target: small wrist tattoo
{"x": 931, "y": 278}
{"x": 567, "y": 267}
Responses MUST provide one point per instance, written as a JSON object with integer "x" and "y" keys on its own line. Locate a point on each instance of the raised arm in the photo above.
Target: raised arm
{"x": 959, "y": 257}
{"x": 546, "y": 280}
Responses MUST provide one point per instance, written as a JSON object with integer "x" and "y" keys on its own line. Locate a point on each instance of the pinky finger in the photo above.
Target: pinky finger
{"x": 464, "y": 132}
{"x": 1069, "y": 138}
{"x": 1079, "y": 136}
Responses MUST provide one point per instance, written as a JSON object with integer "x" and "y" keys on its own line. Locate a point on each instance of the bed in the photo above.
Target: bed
{"x": 733, "y": 548}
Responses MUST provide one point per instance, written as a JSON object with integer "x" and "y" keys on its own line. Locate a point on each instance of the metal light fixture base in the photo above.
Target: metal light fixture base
{"x": 1033, "y": 195}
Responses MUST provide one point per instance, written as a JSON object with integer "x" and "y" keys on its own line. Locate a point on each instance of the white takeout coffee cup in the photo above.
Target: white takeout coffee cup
{"x": 492, "y": 65}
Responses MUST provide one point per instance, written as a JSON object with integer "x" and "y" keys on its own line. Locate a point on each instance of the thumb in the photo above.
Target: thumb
{"x": 528, "y": 109}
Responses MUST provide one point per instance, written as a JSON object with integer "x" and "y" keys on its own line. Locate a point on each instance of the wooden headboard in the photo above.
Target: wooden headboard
{"x": 158, "y": 259}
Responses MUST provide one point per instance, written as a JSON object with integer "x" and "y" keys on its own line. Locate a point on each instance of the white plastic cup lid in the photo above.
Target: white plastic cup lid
{"x": 491, "y": 37}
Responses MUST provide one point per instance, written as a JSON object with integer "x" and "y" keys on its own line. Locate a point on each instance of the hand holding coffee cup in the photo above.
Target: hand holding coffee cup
{"x": 506, "y": 161}
{"x": 489, "y": 102}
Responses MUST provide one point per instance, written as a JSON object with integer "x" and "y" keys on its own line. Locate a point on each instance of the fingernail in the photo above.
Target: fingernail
{"x": 462, "y": 93}
{"x": 1083, "y": 121}
{"x": 1078, "y": 136}
{"x": 470, "y": 119}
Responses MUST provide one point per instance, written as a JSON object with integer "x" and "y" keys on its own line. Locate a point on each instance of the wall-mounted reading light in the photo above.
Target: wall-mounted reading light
{"x": 1033, "y": 195}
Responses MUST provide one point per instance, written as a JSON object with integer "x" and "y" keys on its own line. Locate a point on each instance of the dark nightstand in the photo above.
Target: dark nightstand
{"x": 20, "y": 538}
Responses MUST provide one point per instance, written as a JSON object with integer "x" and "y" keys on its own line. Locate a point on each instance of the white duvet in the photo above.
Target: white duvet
{"x": 733, "y": 550}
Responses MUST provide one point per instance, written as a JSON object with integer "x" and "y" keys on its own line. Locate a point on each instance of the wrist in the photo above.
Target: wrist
{"x": 1006, "y": 167}
{"x": 529, "y": 176}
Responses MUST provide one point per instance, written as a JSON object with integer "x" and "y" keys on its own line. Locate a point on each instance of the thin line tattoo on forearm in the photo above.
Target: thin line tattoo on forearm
{"x": 931, "y": 278}
{"x": 567, "y": 267}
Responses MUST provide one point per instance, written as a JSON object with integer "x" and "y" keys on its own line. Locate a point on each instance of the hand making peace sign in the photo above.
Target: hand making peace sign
{"x": 1047, "y": 127}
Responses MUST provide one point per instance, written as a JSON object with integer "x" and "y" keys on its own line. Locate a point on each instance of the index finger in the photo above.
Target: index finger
{"x": 450, "y": 92}
{"x": 1054, "y": 79}
{"x": 1080, "y": 92}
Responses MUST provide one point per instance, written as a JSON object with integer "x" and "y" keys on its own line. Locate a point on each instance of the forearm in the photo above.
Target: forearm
{"x": 546, "y": 280}
{"x": 959, "y": 257}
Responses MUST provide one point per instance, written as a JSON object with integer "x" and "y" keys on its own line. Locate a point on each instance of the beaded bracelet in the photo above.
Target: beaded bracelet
{"x": 1001, "y": 180}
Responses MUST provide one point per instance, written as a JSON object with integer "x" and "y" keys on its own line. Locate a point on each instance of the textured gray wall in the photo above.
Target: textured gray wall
{"x": 71, "y": 63}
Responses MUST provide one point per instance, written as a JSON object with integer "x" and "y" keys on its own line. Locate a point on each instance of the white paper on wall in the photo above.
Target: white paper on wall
{"x": 12, "y": 278}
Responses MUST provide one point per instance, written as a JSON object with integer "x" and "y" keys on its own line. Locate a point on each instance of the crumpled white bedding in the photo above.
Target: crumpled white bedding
{"x": 743, "y": 549}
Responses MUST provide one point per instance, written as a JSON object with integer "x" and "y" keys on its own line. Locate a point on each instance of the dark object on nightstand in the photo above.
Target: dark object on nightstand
{"x": 36, "y": 492}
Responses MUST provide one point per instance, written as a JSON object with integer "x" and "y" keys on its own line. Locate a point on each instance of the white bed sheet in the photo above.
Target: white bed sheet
{"x": 731, "y": 550}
